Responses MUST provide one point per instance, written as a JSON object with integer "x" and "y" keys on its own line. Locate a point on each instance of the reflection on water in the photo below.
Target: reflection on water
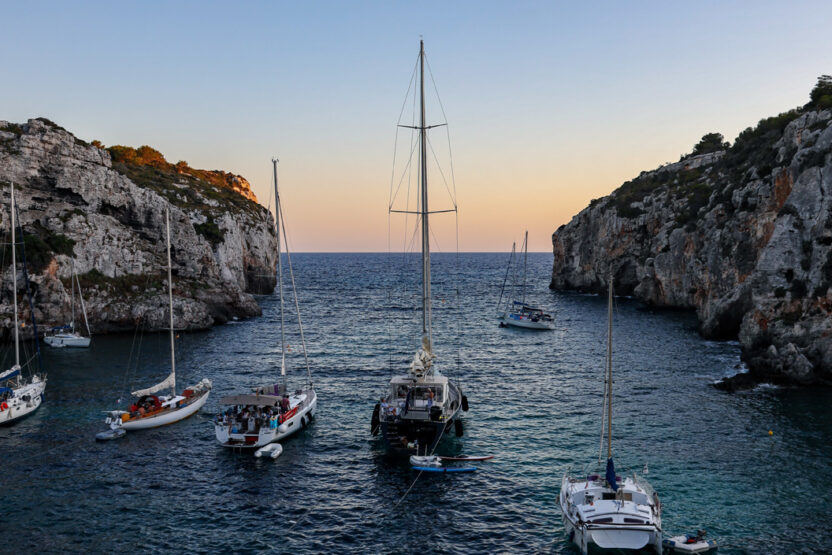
{"x": 535, "y": 404}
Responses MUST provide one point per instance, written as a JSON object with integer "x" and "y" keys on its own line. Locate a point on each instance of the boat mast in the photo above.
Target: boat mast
{"x": 609, "y": 372}
{"x": 525, "y": 259}
{"x": 14, "y": 286}
{"x": 423, "y": 154}
{"x": 170, "y": 305}
{"x": 279, "y": 274}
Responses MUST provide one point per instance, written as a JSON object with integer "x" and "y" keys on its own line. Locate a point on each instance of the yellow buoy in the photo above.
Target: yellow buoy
{"x": 771, "y": 433}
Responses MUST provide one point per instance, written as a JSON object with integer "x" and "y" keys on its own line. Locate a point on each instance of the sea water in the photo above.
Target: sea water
{"x": 535, "y": 404}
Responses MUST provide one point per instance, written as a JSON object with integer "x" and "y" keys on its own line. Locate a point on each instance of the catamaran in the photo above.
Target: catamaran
{"x": 605, "y": 510}
{"x": 421, "y": 405}
{"x": 270, "y": 412}
{"x": 19, "y": 396}
{"x": 518, "y": 314}
{"x": 149, "y": 410}
{"x": 67, "y": 335}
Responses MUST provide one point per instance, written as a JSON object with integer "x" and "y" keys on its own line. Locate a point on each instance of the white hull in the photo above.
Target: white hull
{"x": 525, "y": 323}
{"x": 167, "y": 417}
{"x": 243, "y": 440}
{"x": 632, "y": 523}
{"x": 27, "y": 399}
{"x": 60, "y": 340}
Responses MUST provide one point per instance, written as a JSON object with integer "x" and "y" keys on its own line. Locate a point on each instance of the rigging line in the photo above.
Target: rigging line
{"x": 396, "y": 139}
{"x": 439, "y": 167}
{"x": 295, "y": 295}
{"x": 405, "y": 172}
{"x": 447, "y": 126}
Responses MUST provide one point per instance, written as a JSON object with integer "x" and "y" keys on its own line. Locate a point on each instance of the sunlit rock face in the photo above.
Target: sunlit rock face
{"x": 103, "y": 211}
{"x": 742, "y": 235}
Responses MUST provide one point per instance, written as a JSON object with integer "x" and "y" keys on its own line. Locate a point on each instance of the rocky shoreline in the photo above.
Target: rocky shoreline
{"x": 102, "y": 210}
{"x": 741, "y": 234}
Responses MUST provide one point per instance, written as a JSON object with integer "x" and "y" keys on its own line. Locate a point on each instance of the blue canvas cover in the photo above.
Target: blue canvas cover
{"x": 611, "y": 475}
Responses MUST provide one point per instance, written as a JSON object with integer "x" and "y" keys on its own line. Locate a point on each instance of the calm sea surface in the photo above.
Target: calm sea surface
{"x": 535, "y": 404}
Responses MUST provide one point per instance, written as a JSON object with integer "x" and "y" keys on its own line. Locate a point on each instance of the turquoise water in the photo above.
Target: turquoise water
{"x": 535, "y": 404}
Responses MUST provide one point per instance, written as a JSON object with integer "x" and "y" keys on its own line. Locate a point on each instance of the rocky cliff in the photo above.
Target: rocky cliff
{"x": 103, "y": 212}
{"x": 742, "y": 234}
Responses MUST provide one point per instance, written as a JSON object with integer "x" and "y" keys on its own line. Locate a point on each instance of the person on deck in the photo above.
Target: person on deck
{"x": 285, "y": 403}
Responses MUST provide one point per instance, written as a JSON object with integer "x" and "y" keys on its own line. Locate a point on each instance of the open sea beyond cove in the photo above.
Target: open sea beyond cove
{"x": 535, "y": 401}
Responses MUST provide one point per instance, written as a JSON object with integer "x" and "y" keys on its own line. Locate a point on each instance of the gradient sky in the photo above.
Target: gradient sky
{"x": 549, "y": 104}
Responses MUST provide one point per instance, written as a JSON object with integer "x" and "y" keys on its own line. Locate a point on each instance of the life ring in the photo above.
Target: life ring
{"x": 4, "y": 406}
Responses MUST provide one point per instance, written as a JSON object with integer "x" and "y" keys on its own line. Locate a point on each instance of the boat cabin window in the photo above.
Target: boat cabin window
{"x": 423, "y": 393}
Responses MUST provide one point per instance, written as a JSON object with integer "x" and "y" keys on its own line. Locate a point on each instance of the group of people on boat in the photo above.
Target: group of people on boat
{"x": 250, "y": 419}
{"x": 145, "y": 405}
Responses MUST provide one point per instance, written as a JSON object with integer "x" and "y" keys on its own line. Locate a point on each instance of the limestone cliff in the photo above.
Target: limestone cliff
{"x": 103, "y": 210}
{"x": 741, "y": 234}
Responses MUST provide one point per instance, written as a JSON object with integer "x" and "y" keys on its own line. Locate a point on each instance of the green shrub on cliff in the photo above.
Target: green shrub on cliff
{"x": 211, "y": 231}
{"x": 711, "y": 142}
{"x": 821, "y": 95}
{"x": 181, "y": 184}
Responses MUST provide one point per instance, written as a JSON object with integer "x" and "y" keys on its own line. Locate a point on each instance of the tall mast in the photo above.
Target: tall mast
{"x": 14, "y": 285}
{"x": 423, "y": 154}
{"x": 279, "y": 274}
{"x": 525, "y": 259}
{"x": 170, "y": 305}
{"x": 609, "y": 372}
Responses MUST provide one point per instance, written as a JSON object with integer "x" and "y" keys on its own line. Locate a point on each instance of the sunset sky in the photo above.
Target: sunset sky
{"x": 549, "y": 104}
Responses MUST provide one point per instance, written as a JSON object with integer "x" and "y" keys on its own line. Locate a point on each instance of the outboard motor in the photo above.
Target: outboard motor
{"x": 374, "y": 422}
{"x": 435, "y": 413}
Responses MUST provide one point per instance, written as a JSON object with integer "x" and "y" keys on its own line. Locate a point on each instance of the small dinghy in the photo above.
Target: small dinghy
{"x": 446, "y": 468}
{"x": 690, "y": 543}
{"x": 112, "y": 433}
{"x": 468, "y": 458}
{"x": 272, "y": 450}
{"x": 427, "y": 460}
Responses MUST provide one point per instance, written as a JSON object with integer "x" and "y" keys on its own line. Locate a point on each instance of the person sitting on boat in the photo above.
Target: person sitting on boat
{"x": 385, "y": 408}
{"x": 285, "y": 403}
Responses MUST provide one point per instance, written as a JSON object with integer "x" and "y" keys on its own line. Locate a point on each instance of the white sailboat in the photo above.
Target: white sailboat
{"x": 421, "y": 405}
{"x": 67, "y": 335}
{"x": 19, "y": 396}
{"x": 518, "y": 314}
{"x": 270, "y": 413}
{"x": 606, "y": 511}
{"x": 150, "y": 410}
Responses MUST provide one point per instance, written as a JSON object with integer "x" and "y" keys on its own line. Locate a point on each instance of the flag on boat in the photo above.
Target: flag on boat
{"x": 611, "y": 475}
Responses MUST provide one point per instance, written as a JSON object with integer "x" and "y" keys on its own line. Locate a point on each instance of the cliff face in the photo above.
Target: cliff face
{"x": 104, "y": 211}
{"x": 743, "y": 235}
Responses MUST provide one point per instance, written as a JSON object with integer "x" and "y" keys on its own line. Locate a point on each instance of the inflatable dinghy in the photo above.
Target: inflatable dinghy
{"x": 446, "y": 468}
{"x": 272, "y": 450}
{"x": 689, "y": 543}
{"x": 107, "y": 435}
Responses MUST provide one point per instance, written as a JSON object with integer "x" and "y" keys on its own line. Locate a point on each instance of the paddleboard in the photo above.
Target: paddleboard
{"x": 446, "y": 469}
{"x": 468, "y": 458}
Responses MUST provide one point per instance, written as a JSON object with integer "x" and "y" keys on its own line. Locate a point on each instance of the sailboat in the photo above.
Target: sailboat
{"x": 270, "y": 412}
{"x": 421, "y": 405}
{"x": 19, "y": 396}
{"x": 518, "y": 314}
{"x": 149, "y": 410}
{"x": 605, "y": 510}
{"x": 67, "y": 335}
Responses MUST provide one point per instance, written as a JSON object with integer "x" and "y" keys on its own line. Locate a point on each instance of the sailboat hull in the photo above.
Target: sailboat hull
{"x": 228, "y": 437}
{"x": 60, "y": 340}
{"x": 514, "y": 321}
{"x": 27, "y": 399}
{"x": 167, "y": 417}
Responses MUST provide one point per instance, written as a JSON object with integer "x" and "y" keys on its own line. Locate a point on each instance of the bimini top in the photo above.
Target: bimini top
{"x": 256, "y": 400}
{"x": 13, "y": 372}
